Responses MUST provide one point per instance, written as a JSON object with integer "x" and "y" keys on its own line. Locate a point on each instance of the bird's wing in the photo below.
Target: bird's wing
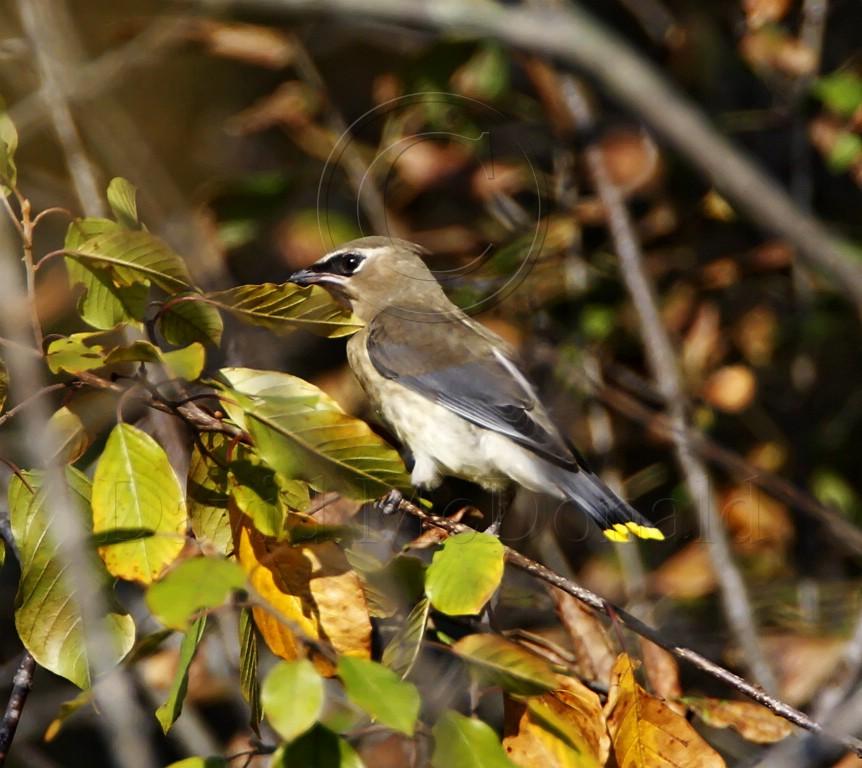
{"x": 461, "y": 368}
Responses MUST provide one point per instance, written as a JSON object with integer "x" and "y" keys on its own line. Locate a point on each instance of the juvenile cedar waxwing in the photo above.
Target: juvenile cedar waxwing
{"x": 449, "y": 387}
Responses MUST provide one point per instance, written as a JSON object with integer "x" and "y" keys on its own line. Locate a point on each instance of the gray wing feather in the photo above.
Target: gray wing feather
{"x": 460, "y": 368}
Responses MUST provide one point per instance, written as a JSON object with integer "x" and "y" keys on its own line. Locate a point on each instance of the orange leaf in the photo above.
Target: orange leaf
{"x": 687, "y": 574}
{"x": 310, "y": 590}
{"x": 646, "y": 733}
{"x": 564, "y": 728}
{"x": 753, "y": 721}
{"x": 662, "y": 672}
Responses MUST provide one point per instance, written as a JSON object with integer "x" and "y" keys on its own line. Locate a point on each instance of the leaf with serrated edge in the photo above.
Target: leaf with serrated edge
{"x": 122, "y": 199}
{"x": 497, "y": 661}
{"x": 403, "y": 649}
{"x": 313, "y": 588}
{"x": 135, "y": 487}
{"x": 752, "y": 721}
{"x": 292, "y": 696}
{"x": 463, "y": 742}
{"x": 199, "y": 583}
{"x": 168, "y": 712}
{"x": 303, "y": 434}
{"x": 380, "y": 692}
{"x": 284, "y": 307}
{"x": 646, "y": 733}
{"x": 464, "y": 573}
{"x": 104, "y": 304}
{"x": 134, "y": 257}
{"x": 47, "y": 614}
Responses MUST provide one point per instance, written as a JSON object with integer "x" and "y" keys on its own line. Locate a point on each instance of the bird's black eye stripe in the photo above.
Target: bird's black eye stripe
{"x": 344, "y": 264}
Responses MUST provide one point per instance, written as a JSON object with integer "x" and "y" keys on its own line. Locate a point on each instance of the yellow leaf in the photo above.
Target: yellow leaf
{"x": 646, "y": 733}
{"x": 753, "y": 721}
{"x": 310, "y": 590}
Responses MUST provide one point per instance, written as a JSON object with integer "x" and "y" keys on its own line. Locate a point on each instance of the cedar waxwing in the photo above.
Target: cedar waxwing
{"x": 449, "y": 387}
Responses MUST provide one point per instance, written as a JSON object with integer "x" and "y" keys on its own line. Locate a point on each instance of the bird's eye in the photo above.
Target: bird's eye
{"x": 347, "y": 263}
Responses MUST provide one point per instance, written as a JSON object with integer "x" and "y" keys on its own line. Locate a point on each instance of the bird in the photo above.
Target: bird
{"x": 451, "y": 389}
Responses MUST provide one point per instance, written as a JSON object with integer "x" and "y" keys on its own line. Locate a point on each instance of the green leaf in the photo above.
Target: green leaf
{"x": 284, "y": 307}
{"x": 201, "y": 762}
{"x": 4, "y": 383}
{"x": 186, "y": 363}
{"x": 197, "y": 584}
{"x": 403, "y": 649}
{"x": 188, "y": 318}
{"x": 118, "y": 536}
{"x": 380, "y": 692}
{"x": 248, "y": 664}
{"x": 292, "y": 697}
{"x": 134, "y": 257}
{"x": 841, "y": 92}
{"x": 135, "y": 487}
{"x": 73, "y": 427}
{"x": 845, "y": 152}
{"x": 255, "y": 491}
{"x": 208, "y": 493}
{"x": 303, "y": 434}
{"x": 73, "y": 354}
{"x": 122, "y": 196}
{"x": 47, "y": 613}
{"x": 8, "y": 146}
{"x": 66, "y": 710}
{"x": 497, "y": 661}
{"x": 168, "y": 712}
{"x": 104, "y": 303}
{"x": 462, "y": 742}
{"x": 464, "y": 573}
{"x": 319, "y": 748}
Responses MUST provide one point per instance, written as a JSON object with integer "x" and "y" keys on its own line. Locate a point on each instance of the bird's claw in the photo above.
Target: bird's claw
{"x": 389, "y": 504}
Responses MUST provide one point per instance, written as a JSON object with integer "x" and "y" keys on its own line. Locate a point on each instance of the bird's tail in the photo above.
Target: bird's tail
{"x": 616, "y": 518}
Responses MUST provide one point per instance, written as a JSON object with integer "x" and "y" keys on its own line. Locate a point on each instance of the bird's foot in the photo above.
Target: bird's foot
{"x": 494, "y": 527}
{"x": 389, "y": 504}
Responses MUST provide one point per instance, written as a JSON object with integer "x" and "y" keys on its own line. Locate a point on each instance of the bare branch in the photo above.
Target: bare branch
{"x": 21, "y": 684}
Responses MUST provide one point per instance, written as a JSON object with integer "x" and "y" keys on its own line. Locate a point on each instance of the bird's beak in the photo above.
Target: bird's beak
{"x": 306, "y": 277}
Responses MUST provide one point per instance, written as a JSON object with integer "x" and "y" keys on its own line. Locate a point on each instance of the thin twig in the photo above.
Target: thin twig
{"x": 21, "y": 685}
{"x": 591, "y": 599}
{"x": 577, "y": 38}
{"x": 665, "y": 370}
{"x": 28, "y": 400}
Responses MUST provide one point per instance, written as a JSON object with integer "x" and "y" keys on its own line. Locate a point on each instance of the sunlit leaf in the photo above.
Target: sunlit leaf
{"x": 4, "y": 383}
{"x": 292, "y": 697}
{"x": 104, "y": 303}
{"x": 187, "y": 319}
{"x": 464, "y": 573}
{"x": 75, "y": 353}
{"x": 646, "y": 733}
{"x": 463, "y": 742}
{"x": 303, "y": 434}
{"x": 753, "y": 722}
{"x": 840, "y": 91}
{"x": 403, "y": 649}
{"x": 208, "y": 492}
{"x": 134, "y": 257}
{"x": 380, "y": 692}
{"x": 67, "y": 709}
{"x": 318, "y": 748}
{"x": 68, "y": 434}
{"x": 248, "y": 664}
{"x": 201, "y": 762}
{"x": 122, "y": 198}
{"x": 168, "y": 712}
{"x": 255, "y": 490}
{"x": 8, "y": 147}
{"x": 135, "y": 487}
{"x": 284, "y": 307}
{"x": 47, "y": 612}
{"x": 186, "y": 363}
{"x": 497, "y": 661}
{"x": 310, "y": 590}
{"x": 118, "y": 536}
{"x": 200, "y": 583}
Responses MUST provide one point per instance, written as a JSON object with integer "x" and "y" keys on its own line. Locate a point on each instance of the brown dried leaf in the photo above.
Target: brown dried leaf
{"x": 755, "y": 521}
{"x": 632, "y": 159}
{"x": 646, "y": 733}
{"x": 250, "y": 43}
{"x": 755, "y": 334}
{"x": 731, "y": 388}
{"x": 774, "y": 49}
{"x": 687, "y": 574}
{"x": 702, "y": 344}
{"x": 662, "y": 673}
{"x": 564, "y": 728}
{"x": 803, "y": 663}
{"x": 309, "y": 591}
{"x": 752, "y": 721}
{"x": 292, "y": 104}
{"x": 594, "y": 650}
{"x": 760, "y": 12}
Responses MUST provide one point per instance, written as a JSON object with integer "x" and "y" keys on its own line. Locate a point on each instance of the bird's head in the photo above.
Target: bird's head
{"x": 374, "y": 273}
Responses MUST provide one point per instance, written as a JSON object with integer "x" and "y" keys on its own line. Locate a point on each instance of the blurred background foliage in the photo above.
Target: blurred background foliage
{"x": 256, "y": 145}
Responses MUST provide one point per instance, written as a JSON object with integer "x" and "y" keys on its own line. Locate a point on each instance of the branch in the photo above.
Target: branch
{"x": 575, "y": 37}
{"x": 21, "y": 685}
{"x": 591, "y": 599}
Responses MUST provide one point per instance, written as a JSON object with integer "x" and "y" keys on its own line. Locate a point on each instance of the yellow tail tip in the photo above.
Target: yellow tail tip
{"x": 620, "y": 532}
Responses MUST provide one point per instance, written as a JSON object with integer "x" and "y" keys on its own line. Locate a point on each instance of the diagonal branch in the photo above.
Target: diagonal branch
{"x": 591, "y": 599}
